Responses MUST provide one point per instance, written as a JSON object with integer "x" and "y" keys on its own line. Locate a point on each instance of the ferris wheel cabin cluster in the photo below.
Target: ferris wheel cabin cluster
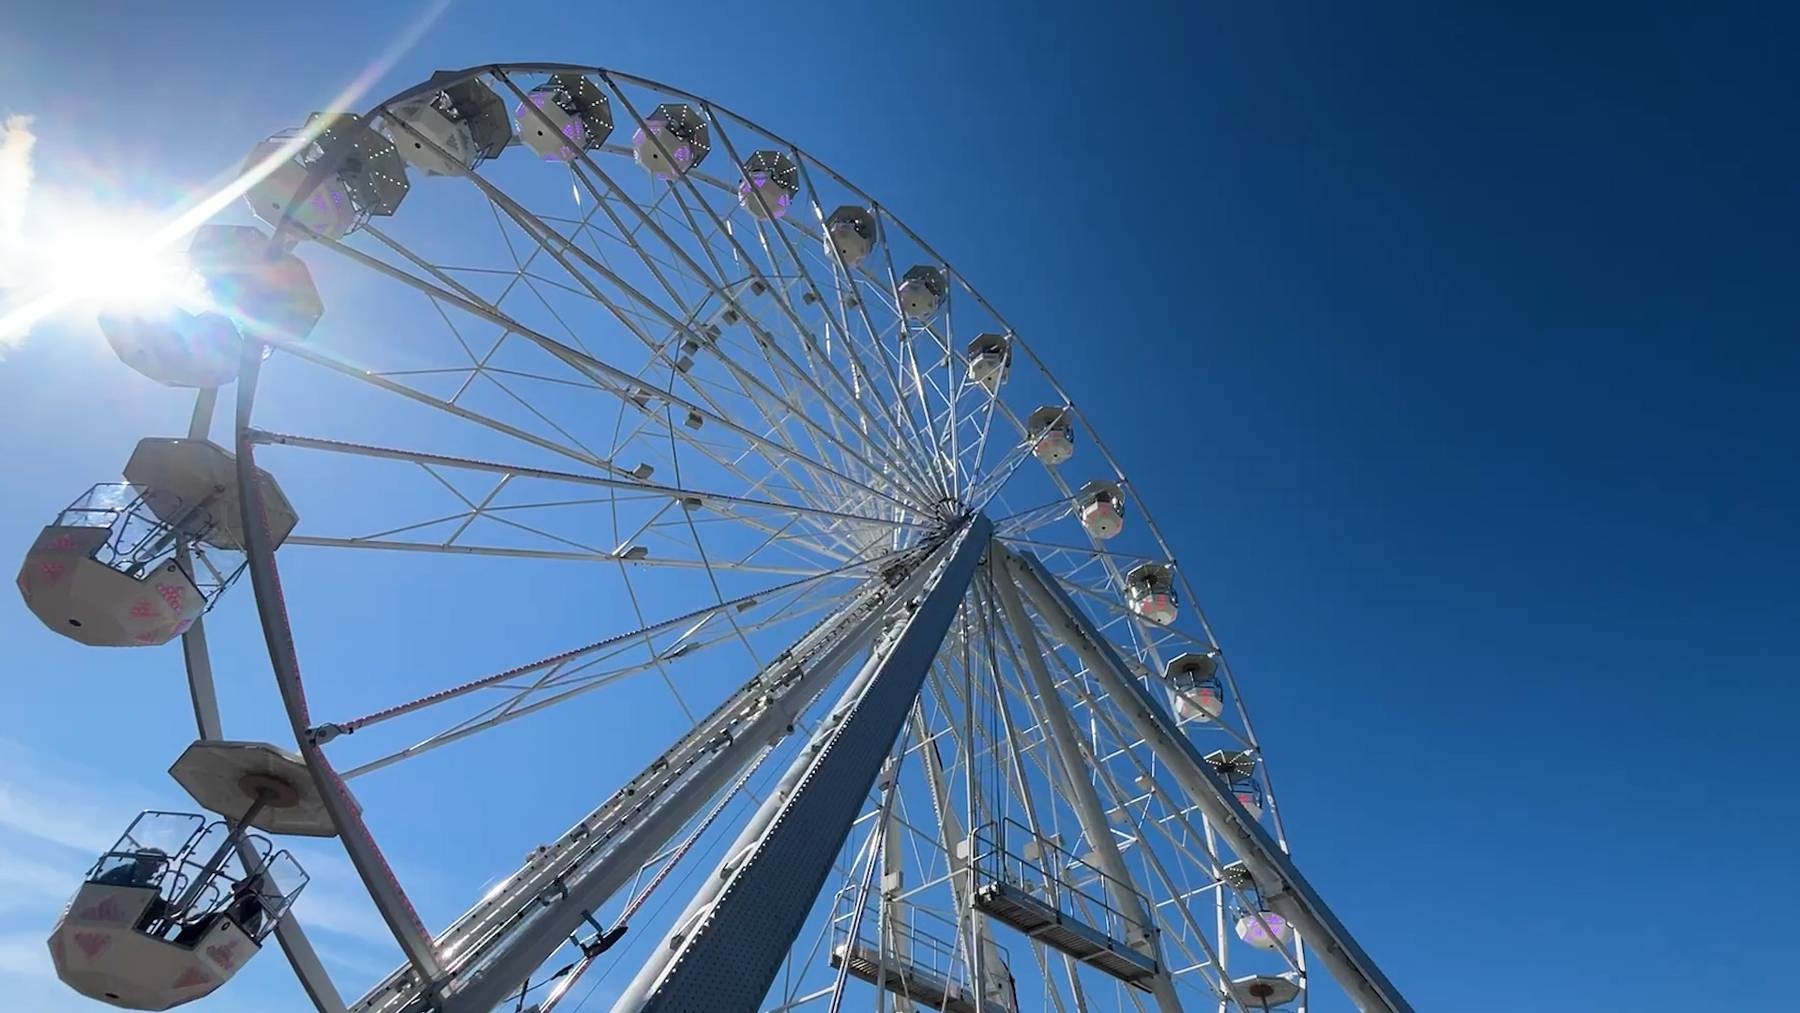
{"x": 183, "y": 900}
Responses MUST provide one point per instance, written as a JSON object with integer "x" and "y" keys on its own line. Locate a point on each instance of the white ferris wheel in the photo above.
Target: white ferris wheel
{"x": 945, "y": 728}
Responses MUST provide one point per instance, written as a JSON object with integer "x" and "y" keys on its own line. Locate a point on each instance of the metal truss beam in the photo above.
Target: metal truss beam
{"x": 729, "y": 944}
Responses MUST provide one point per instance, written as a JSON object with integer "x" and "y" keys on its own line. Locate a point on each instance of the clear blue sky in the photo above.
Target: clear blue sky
{"x": 1456, "y": 349}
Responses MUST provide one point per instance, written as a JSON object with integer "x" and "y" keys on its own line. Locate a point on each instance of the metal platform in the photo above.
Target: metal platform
{"x": 922, "y": 986}
{"x": 1012, "y": 906}
{"x": 1038, "y": 890}
{"x": 922, "y": 961}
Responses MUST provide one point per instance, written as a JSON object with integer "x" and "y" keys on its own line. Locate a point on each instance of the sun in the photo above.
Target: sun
{"x": 114, "y": 267}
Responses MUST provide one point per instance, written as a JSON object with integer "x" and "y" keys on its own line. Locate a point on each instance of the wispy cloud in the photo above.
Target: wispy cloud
{"x": 23, "y": 955}
{"x": 28, "y": 884}
{"x": 16, "y": 142}
{"x": 46, "y": 801}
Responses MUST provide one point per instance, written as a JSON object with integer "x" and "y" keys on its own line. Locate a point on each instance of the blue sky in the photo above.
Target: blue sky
{"x": 1455, "y": 350}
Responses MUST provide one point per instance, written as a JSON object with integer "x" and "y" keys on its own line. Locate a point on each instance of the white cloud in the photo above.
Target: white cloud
{"x": 66, "y": 820}
{"x": 27, "y": 884}
{"x": 16, "y": 142}
{"x": 77, "y": 809}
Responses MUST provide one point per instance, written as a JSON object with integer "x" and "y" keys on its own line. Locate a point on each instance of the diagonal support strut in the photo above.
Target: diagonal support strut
{"x": 729, "y": 944}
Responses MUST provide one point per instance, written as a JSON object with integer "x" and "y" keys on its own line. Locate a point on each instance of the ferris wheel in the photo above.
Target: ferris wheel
{"x": 939, "y": 724}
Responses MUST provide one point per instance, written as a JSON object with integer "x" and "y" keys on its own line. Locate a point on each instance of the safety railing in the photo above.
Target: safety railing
{"x": 1056, "y": 878}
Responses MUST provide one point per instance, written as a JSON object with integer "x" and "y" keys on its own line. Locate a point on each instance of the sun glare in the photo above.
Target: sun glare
{"x": 116, "y": 269}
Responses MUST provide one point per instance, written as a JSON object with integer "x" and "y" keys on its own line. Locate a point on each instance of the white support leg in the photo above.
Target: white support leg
{"x": 729, "y": 944}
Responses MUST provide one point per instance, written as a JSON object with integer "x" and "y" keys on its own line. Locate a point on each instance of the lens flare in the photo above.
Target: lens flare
{"x": 118, "y": 268}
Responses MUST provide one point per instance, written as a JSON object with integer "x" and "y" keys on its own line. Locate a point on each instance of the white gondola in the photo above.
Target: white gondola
{"x": 182, "y": 902}
{"x": 329, "y": 177}
{"x": 1238, "y": 769}
{"x": 564, "y": 116}
{"x": 1194, "y": 688}
{"x": 851, "y": 233}
{"x": 1260, "y": 992}
{"x": 673, "y": 140}
{"x": 922, "y": 291}
{"x": 989, "y": 358}
{"x": 1264, "y": 930}
{"x": 452, "y": 131}
{"x": 771, "y": 180}
{"x": 252, "y": 287}
{"x": 1102, "y": 509}
{"x": 175, "y": 347}
{"x": 1051, "y": 430}
{"x": 133, "y": 564}
{"x": 1150, "y": 593}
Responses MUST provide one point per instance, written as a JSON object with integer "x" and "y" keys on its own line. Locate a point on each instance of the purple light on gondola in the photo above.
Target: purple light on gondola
{"x": 1264, "y": 929}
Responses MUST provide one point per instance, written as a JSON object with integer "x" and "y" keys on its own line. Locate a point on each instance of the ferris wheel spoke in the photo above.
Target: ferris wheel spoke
{"x": 777, "y": 292}
{"x": 759, "y": 395}
{"x": 916, "y": 384}
{"x": 906, "y": 380}
{"x": 790, "y": 406}
{"x": 910, "y": 367}
{"x": 319, "y": 357}
{"x": 693, "y": 498}
{"x": 565, "y": 676}
{"x": 540, "y": 231}
{"x": 987, "y": 488}
{"x": 922, "y": 447}
{"x": 786, "y": 372}
{"x": 722, "y": 292}
{"x": 813, "y": 291}
{"x": 712, "y": 577}
{"x": 610, "y": 378}
{"x": 902, "y": 433}
{"x": 728, "y": 459}
{"x": 532, "y": 930}
{"x": 978, "y": 474}
{"x": 653, "y": 264}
